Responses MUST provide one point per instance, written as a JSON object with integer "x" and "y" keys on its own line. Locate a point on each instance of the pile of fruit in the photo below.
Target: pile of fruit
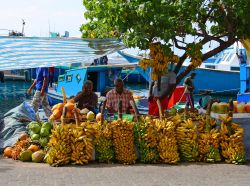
{"x": 187, "y": 140}
{"x": 24, "y": 150}
{"x": 167, "y": 145}
{"x": 209, "y": 140}
{"x": 146, "y": 140}
{"x": 71, "y": 144}
{"x": 232, "y": 146}
{"x": 40, "y": 132}
{"x": 123, "y": 139}
{"x": 223, "y": 108}
{"x": 104, "y": 148}
{"x": 185, "y": 136}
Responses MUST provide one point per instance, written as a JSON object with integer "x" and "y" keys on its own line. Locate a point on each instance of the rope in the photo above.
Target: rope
{"x": 128, "y": 74}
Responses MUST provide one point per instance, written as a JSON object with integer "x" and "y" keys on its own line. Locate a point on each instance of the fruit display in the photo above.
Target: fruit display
{"x": 232, "y": 145}
{"x": 167, "y": 143}
{"x": 59, "y": 152}
{"x": 146, "y": 140}
{"x": 22, "y": 143}
{"x": 187, "y": 140}
{"x": 123, "y": 139}
{"x": 104, "y": 147}
{"x": 209, "y": 140}
{"x": 81, "y": 145}
{"x": 40, "y": 132}
{"x": 160, "y": 57}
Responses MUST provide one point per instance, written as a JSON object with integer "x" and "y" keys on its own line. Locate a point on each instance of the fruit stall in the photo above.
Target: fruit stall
{"x": 76, "y": 137}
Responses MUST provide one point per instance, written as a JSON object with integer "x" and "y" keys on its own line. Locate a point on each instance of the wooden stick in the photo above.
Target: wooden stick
{"x": 64, "y": 95}
{"x": 132, "y": 103}
{"x": 64, "y": 115}
{"x": 102, "y": 111}
{"x": 120, "y": 109}
{"x": 76, "y": 116}
{"x": 159, "y": 107}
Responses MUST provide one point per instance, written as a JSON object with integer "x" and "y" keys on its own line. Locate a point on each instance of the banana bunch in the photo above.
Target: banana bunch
{"x": 59, "y": 152}
{"x": 232, "y": 145}
{"x": 146, "y": 140}
{"x": 194, "y": 52}
{"x": 104, "y": 145}
{"x": 209, "y": 143}
{"x": 90, "y": 129}
{"x": 160, "y": 57}
{"x": 123, "y": 139}
{"x": 167, "y": 144}
{"x": 82, "y": 146}
{"x": 209, "y": 140}
{"x": 186, "y": 134}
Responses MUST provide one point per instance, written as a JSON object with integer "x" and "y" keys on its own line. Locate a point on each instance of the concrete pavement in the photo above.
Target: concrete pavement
{"x": 16, "y": 173}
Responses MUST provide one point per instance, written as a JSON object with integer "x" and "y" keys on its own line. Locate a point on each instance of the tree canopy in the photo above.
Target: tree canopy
{"x": 187, "y": 25}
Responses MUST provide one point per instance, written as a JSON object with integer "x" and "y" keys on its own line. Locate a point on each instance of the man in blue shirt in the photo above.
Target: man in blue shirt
{"x": 41, "y": 97}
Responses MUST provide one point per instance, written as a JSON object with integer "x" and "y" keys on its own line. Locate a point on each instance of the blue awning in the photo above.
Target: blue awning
{"x": 32, "y": 52}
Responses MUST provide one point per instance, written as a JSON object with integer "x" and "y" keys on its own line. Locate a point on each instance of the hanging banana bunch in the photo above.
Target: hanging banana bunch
{"x": 160, "y": 57}
{"x": 194, "y": 52}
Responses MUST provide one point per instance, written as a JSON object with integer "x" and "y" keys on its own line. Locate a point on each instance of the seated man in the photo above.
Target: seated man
{"x": 115, "y": 95}
{"x": 87, "y": 98}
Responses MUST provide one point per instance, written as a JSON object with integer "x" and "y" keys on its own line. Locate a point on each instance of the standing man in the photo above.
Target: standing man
{"x": 119, "y": 94}
{"x": 189, "y": 89}
{"x": 168, "y": 82}
{"x": 41, "y": 97}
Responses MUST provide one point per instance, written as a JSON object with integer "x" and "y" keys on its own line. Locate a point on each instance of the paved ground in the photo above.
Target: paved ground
{"x": 18, "y": 173}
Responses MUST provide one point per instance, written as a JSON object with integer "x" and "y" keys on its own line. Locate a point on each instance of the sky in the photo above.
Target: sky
{"x": 42, "y": 16}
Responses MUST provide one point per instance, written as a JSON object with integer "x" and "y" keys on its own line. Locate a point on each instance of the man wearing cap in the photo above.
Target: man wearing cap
{"x": 189, "y": 89}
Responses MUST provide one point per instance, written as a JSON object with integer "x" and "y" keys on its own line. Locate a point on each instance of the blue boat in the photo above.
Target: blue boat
{"x": 73, "y": 79}
{"x": 219, "y": 74}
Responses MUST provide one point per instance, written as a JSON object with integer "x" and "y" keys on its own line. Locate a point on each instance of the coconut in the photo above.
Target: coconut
{"x": 38, "y": 156}
{"x": 44, "y": 132}
{"x": 47, "y": 125}
{"x": 25, "y": 155}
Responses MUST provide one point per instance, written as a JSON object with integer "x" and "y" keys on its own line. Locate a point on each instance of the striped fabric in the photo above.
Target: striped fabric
{"x": 32, "y": 52}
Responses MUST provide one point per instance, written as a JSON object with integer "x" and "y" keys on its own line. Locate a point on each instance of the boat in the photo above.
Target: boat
{"x": 221, "y": 67}
{"x": 102, "y": 77}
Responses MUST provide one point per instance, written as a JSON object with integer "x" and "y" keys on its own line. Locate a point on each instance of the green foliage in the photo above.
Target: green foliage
{"x": 141, "y": 22}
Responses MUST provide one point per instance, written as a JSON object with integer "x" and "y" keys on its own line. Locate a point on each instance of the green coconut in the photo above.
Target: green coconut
{"x": 47, "y": 125}
{"x": 43, "y": 141}
{"x": 35, "y": 137}
{"x": 38, "y": 156}
{"x": 35, "y": 128}
{"x": 44, "y": 132}
{"x": 25, "y": 155}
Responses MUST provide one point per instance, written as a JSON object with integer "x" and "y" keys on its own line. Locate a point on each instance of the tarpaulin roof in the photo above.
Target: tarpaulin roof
{"x": 32, "y": 52}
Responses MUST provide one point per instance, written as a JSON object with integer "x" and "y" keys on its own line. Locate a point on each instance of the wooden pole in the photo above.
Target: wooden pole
{"x": 132, "y": 103}
{"x": 120, "y": 109}
{"x": 102, "y": 111}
